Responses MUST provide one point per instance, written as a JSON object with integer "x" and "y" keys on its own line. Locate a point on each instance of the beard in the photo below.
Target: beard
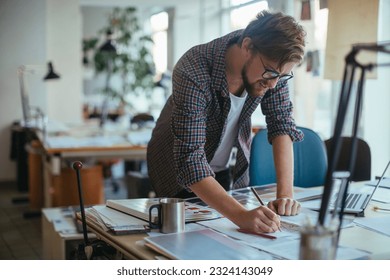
{"x": 256, "y": 89}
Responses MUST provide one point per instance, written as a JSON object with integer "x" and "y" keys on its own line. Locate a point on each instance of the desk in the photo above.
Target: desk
{"x": 355, "y": 237}
{"x": 59, "y": 242}
{"x": 80, "y": 142}
{"x": 361, "y": 238}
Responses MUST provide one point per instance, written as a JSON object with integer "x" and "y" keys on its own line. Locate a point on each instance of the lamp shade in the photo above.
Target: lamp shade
{"x": 51, "y": 74}
{"x": 108, "y": 45}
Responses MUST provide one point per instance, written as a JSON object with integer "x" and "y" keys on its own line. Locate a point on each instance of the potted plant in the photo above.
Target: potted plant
{"x": 126, "y": 55}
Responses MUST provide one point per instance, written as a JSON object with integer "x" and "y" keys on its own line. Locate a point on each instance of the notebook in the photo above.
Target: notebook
{"x": 114, "y": 221}
{"x": 356, "y": 201}
{"x": 139, "y": 208}
{"x": 214, "y": 246}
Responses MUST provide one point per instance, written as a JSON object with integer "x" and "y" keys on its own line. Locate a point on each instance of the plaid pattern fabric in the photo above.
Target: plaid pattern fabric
{"x": 192, "y": 122}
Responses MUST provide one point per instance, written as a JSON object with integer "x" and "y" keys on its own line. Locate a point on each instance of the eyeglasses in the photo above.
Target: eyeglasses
{"x": 270, "y": 74}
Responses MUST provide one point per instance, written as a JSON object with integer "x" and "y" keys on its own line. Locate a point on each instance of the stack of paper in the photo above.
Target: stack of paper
{"x": 115, "y": 221}
{"x": 139, "y": 207}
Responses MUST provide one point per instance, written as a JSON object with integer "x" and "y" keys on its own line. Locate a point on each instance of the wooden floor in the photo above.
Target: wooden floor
{"x": 20, "y": 237}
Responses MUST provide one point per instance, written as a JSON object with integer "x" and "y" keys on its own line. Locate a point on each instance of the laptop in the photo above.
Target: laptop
{"x": 356, "y": 201}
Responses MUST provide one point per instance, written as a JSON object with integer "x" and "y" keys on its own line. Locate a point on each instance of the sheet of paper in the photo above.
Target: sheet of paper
{"x": 384, "y": 184}
{"x": 286, "y": 244}
{"x": 289, "y": 249}
{"x": 65, "y": 225}
{"x": 115, "y": 218}
{"x": 378, "y": 224}
{"x": 268, "y": 192}
{"x": 382, "y": 195}
{"x": 305, "y": 216}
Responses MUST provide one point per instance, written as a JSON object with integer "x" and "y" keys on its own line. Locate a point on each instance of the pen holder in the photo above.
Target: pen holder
{"x": 318, "y": 243}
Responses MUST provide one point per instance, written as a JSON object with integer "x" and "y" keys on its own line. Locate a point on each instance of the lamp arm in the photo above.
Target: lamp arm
{"x": 382, "y": 47}
{"x": 348, "y": 79}
{"x": 24, "y": 95}
{"x": 353, "y": 149}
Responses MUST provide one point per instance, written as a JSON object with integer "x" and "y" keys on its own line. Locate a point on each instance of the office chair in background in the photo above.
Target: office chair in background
{"x": 310, "y": 160}
{"x": 137, "y": 178}
{"x": 362, "y": 170}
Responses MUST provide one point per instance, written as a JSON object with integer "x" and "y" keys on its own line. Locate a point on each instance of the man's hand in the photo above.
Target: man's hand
{"x": 260, "y": 219}
{"x": 285, "y": 206}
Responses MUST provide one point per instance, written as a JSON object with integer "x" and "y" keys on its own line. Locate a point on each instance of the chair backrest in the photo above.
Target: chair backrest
{"x": 310, "y": 160}
{"x": 362, "y": 170}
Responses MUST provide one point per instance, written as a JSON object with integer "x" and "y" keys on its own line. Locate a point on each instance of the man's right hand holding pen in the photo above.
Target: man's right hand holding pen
{"x": 272, "y": 218}
{"x": 261, "y": 219}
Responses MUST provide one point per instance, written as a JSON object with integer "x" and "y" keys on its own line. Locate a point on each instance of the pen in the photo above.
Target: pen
{"x": 257, "y": 196}
{"x": 256, "y": 233}
{"x": 260, "y": 200}
{"x": 376, "y": 208}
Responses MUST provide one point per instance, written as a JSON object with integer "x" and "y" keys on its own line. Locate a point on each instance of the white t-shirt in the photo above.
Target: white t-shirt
{"x": 221, "y": 157}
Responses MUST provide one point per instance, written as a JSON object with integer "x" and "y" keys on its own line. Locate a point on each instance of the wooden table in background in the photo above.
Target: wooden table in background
{"x": 52, "y": 179}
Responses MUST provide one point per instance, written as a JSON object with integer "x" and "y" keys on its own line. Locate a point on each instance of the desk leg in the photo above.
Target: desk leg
{"x": 47, "y": 183}
{"x": 35, "y": 176}
{"x": 51, "y": 178}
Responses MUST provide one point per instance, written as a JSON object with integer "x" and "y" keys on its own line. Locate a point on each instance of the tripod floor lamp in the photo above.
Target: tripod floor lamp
{"x": 352, "y": 67}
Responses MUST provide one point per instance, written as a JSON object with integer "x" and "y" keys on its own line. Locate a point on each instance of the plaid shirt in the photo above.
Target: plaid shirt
{"x": 193, "y": 121}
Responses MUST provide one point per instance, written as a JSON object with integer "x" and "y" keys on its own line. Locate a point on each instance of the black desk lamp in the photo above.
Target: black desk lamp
{"x": 351, "y": 65}
{"x": 51, "y": 75}
{"x": 32, "y": 69}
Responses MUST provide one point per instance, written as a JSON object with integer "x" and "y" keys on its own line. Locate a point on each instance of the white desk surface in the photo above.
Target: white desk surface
{"x": 357, "y": 237}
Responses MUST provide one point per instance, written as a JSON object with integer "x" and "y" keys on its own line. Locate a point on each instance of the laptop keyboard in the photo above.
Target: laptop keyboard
{"x": 352, "y": 199}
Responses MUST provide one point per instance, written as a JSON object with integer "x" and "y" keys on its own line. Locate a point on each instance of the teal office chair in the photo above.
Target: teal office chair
{"x": 310, "y": 160}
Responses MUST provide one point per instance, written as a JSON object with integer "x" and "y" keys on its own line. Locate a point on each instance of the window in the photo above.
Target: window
{"x": 159, "y": 24}
{"x": 310, "y": 92}
{"x": 244, "y": 11}
{"x": 241, "y": 13}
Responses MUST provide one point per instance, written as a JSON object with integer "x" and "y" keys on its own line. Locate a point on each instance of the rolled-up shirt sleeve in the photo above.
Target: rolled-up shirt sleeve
{"x": 277, "y": 108}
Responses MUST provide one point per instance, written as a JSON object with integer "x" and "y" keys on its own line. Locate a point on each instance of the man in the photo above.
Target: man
{"x": 216, "y": 88}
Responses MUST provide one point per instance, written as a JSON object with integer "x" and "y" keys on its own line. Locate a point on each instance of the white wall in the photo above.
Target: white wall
{"x": 22, "y": 41}
{"x": 63, "y": 44}
{"x": 34, "y": 32}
